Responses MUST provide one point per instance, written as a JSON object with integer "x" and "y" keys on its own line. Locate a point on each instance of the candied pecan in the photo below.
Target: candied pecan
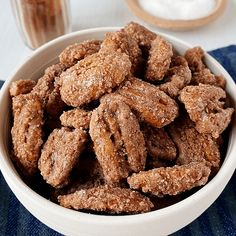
{"x": 78, "y": 51}
{"x": 201, "y": 74}
{"x": 94, "y": 76}
{"x": 194, "y": 57}
{"x": 206, "y": 77}
{"x": 193, "y": 146}
{"x": 122, "y": 42}
{"x": 108, "y": 199}
{"x": 150, "y": 103}
{"x": 170, "y": 180}
{"x": 76, "y": 118}
{"x": 179, "y": 75}
{"x": 159, "y": 144}
{"x": 21, "y": 86}
{"x": 45, "y": 85}
{"x": 142, "y": 35}
{"x": 159, "y": 59}
{"x": 116, "y": 135}
{"x": 55, "y": 105}
{"x": 27, "y": 131}
{"x": 60, "y": 154}
{"x": 205, "y": 107}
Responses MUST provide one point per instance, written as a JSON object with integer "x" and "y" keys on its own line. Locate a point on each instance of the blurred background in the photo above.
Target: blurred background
{"x": 92, "y": 13}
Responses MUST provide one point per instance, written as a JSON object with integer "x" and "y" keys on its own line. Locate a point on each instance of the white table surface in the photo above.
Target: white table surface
{"x": 93, "y": 13}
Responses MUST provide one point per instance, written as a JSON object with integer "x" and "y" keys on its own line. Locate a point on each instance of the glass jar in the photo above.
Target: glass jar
{"x": 40, "y": 21}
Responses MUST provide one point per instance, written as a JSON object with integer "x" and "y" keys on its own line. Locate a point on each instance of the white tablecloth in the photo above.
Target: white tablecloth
{"x": 93, "y": 13}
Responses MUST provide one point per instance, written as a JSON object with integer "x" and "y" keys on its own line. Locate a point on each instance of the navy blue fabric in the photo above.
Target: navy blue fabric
{"x": 1, "y": 83}
{"x": 218, "y": 220}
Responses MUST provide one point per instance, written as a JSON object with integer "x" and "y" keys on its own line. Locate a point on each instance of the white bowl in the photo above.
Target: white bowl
{"x": 70, "y": 222}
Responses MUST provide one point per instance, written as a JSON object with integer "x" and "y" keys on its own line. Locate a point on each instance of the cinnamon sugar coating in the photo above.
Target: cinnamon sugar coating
{"x": 108, "y": 199}
{"x": 60, "y": 154}
{"x": 205, "y": 76}
{"x": 55, "y": 105}
{"x": 179, "y": 76}
{"x": 21, "y": 86}
{"x": 140, "y": 34}
{"x": 159, "y": 59}
{"x": 116, "y": 136}
{"x": 76, "y": 118}
{"x": 205, "y": 107}
{"x": 194, "y": 57}
{"x": 27, "y": 132}
{"x": 201, "y": 74}
{"x": 78, "y": 51}
{"x": 122, "y": 42}
{"x": 150, "y": 103}
{"x": 193, "y": 146}
{"x": 170, "y": 180}
{"x": 45, "y": 84}
{"x": 94, "y": 76}
{"x": 159, "y": 144}
{"x": 156, "y": 123}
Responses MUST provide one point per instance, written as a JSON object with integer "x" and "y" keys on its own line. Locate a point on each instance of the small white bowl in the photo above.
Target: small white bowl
{"x": 70, "y": 222}
{"x": 178, "y": 25}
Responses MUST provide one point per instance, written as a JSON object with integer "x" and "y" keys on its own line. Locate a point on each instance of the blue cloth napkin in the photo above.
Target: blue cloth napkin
{"x": 219, "y": 219}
